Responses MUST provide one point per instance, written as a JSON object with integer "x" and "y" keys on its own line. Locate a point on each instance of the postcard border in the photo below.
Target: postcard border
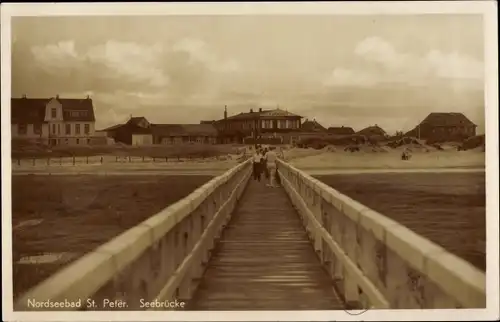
{"x": 486, "y": 8}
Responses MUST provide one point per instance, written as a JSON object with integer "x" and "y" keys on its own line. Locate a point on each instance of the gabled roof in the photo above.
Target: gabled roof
{"x": 372, "y": 130}
{"x": 29, "y": 111}
{"x": 341, "y": 130}
{"x": 262, "y": 113}
{"x": 32, "y": 110}
{"x": 114, "y": 127}
{"x": 446, "y": 119}
{"x": 312, "y": 126}
{"x": 136, "y": 120}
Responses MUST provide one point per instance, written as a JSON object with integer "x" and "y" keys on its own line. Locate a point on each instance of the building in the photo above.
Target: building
{"x": 138, "y": 131}
{"x": 312, "y": 126}
{"x": 261, "y": 126}
{"x": 444, "y": 127}
{"x": 374, "y": 130}
{"x": 341, "y": 130}
{"x": 184, "y": 133}
{"x": 54, "y": 121}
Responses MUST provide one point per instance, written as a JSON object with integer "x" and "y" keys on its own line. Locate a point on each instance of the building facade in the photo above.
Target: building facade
{"x": 138, "y": 131}
{"x": 261, "y": 126}
{"x": 53, "y": 121}
{"x": 441, "y": 127}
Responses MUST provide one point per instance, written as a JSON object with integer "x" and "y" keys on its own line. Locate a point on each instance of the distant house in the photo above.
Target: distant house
{"x": 312, "y": 126}
{"x": 374, "y": 130}
{"x": 444, "y": 127}
{"x": 184, "y": 133}
{"x": 138, "y": 131}
{"x": 135, "y": 131}
{"x": 54, "y": 121}
{"x": 259, "y": 126}
{"x": 341, "y": 130}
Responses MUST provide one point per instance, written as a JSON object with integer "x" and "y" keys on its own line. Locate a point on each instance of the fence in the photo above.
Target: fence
{"x": 55, "y": 161}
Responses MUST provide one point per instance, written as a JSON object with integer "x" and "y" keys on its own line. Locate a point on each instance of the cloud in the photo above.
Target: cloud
{"x": 347, "y": 77}
{"x": 119, "y": 59}
{"x": 199, "y": 51}
{"x": 59, "y": 56}
{"x": 454, "y": 66}
{"x": 385, "y": 64}
{"x": 182, "y": 72}
{"x": 128, "y": 59}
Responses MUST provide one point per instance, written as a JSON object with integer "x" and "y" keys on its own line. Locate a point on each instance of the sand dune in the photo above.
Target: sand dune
{"x": 392, "y": 159}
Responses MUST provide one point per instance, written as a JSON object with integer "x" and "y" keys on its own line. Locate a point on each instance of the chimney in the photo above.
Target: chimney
{"x": 260, "y": 109}
{"x": 251, "y": 110}
{"x": 57, "y": 96}
{"x": 24, "y": 95}
{"x": 225, "y": 111}
{"x": 88, "y": 97}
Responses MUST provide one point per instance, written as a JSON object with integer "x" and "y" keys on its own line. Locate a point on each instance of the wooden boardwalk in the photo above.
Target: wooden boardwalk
{"x": 265, "y": 261}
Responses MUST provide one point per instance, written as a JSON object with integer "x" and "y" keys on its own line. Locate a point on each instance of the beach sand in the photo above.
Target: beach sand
{"x": 390, "y": 160}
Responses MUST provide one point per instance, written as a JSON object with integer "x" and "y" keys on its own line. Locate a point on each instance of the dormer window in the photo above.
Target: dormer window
{"x": 78, "y": 113}
{"x": 53, "y": 113}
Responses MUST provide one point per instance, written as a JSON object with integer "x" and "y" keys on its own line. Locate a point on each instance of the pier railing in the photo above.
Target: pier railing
{"x": 161, "y": 259}
{"x": 376, "y": 262}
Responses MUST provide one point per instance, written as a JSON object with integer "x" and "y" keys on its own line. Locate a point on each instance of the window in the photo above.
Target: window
{"x": 77, "y": 141}
{"x": 87, "y": 128}
{"x": 58, "y": 128}
{"x": 37, "y": 128}
{"x": 22, "y": 129}
{"x": 77, "y": 128}
{"x": 88, "y": 141}
{"x": 68, "y": 129}
{"x": 54, "y": 129}
{"x": 53, "y": 113}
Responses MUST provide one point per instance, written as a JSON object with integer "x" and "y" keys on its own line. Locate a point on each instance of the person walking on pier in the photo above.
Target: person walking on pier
{"x": 271, "y": 157}
{"x": 264, "y": 162}
{"x": 257, "y": 164}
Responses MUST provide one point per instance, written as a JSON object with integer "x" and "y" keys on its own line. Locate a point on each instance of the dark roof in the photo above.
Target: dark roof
{"x": 446, "y": 119}
{"x": 137, "y": 119}
{"x": 32, "y": 110}
{"x": 312, "y": 126}
{"x": 183, "y": 129}
{"x": 341, "y": 130}
{"x": 262, "y": 113}
{"x": 111, "y": 128}
{"x": 27, "y": 110}
{"x": 372, "y": 130}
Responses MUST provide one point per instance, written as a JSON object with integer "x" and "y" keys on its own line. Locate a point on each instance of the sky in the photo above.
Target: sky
{"x": 340, "y": 70}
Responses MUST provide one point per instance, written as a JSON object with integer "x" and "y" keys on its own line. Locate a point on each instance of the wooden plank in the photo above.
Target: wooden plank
{"x": 265, "y": 261}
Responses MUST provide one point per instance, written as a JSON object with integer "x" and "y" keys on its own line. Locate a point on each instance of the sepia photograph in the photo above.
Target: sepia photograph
{"x": 309, "y": 162}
